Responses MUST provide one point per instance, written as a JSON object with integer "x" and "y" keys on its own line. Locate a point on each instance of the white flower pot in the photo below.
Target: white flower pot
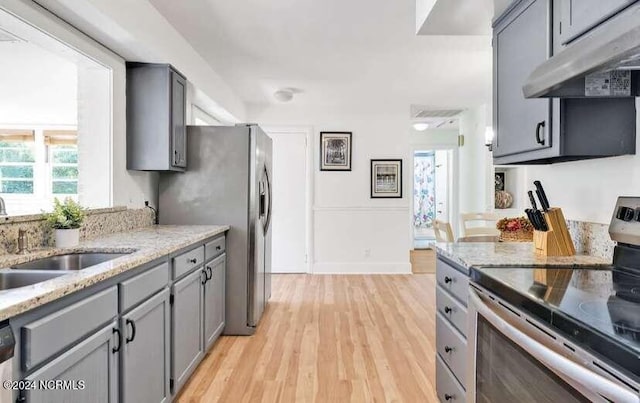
{"x": 66, "y": 238}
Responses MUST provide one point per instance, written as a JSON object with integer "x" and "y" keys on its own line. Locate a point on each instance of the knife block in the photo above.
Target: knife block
{"x": 557, "y": 240}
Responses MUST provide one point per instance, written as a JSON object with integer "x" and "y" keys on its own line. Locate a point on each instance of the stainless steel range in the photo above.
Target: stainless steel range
{"x": 555, "y": 334}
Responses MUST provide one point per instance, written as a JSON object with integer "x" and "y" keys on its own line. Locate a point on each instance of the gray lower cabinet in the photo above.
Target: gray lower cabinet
{"x": 93, "y": 361}
{"x": 186, "y": 327}
{"x": 136, "y": 338}
{"x": 144, "y": 352}
{"x": 451, "y": 329}
{"x": 214, "y": 292}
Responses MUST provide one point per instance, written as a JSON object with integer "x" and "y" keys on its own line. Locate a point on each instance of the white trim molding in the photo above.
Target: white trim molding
{"x": 362, "y": 268}
{"x": 361, "y": 208}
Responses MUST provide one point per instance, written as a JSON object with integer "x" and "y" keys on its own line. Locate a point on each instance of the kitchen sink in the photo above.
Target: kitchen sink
{"x": 71, "y": 261}
{"x": 15, "y": 279}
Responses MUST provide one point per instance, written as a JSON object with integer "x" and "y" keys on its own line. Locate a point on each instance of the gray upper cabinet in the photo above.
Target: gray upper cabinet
{"x": 520, "y": 43}
{"x": 145, "y": 351}
{"x": 214, "y": 292}
{"x": 576, "y": 17}
{"x": 156, "y": 118}
{"x": 548, "y": 130}
{"x": 186, "y": 327}
{"x": 93, "y": 362}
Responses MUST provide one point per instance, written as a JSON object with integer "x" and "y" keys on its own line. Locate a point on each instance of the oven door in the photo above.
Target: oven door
{"x": 512, "y": 360}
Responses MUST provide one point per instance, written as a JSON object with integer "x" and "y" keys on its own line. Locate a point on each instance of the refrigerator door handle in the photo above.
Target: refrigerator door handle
{"x": 268, "y": 183}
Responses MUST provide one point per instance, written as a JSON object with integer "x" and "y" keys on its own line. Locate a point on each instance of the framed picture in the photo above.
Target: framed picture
{"x": 386, "y": 179}
{"x": 335, "y": 151}
{"x": 499, "y": 181}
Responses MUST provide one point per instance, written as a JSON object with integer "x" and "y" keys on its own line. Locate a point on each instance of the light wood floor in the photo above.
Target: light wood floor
{"x": 329, "y": 338}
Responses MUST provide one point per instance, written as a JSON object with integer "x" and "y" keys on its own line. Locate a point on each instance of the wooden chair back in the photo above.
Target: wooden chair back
{"x": 487, "y": 227}
{"x": 443, "y": 231}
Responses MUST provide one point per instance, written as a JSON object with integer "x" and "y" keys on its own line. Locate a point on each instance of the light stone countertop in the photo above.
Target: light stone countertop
{"x": 509, "y": 254}
{"x": 145, "y": 244}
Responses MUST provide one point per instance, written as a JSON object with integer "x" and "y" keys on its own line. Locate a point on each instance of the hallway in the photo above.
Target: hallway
{"x": 330, "y": 338}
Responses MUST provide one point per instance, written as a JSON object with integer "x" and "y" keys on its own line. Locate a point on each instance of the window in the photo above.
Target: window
{"x": 37, "y": 165}
{"x": 63, "y": 162}
{"x": 17, "y": 161}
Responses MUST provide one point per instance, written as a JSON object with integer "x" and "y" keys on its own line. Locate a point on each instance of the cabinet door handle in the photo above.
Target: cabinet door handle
{"x": 448, "y": 397}
{"x": 203, "y": 280}
{"x": 209, "y": 273}
{"x": 133, "y": 330}
{"x": 447, "y": 279}
{"x": 176, "y": 157}
{"x": 447, "y": 309}
{"x": 218, "y": 247}
{"x": 193, "y": 261}
{"x": 115, "y": 349}
{"x": 539, "y": 127}
{"x": 448, "y": 349}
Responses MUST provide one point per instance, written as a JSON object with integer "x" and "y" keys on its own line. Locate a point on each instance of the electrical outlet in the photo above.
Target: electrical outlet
{"x": 367, "y": 252}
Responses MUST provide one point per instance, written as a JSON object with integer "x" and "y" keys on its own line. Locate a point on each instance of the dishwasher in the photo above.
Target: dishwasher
{"x": 7, "y": 344}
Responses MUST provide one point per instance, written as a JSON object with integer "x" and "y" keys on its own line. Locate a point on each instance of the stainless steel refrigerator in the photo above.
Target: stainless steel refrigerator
{"x": 228, "y": 181}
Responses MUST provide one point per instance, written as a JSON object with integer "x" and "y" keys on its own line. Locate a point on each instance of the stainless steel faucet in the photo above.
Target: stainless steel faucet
{"x": 3, "y": 210}
{"x": 23, "y": 242}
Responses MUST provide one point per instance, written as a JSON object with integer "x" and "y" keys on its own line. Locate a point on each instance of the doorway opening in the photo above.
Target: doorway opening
{"x": 432, "y": 193}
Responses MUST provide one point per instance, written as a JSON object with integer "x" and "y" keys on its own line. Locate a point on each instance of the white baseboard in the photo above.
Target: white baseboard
{"x": 362, "y": 268}
{"x": 289, "y": 270}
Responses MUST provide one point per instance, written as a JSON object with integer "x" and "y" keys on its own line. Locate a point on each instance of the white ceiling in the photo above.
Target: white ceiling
{"x": 458, "y": 17}
{"x": 335, "y": 52}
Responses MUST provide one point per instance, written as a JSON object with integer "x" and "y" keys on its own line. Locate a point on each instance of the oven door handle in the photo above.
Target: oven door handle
{"x": 593, "y": 385}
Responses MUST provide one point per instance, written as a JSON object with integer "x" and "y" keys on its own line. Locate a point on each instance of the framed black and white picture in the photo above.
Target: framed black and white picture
{"x": 335, "y": 151}
{"x": 386, "y": 179}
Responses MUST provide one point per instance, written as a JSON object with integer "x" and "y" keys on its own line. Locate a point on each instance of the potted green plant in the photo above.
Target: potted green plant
{"x": 66, "y": 219}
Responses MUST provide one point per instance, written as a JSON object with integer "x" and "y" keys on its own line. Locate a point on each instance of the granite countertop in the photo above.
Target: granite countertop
{"x": 144, "y": 245}
{"x": 512, "y": 254}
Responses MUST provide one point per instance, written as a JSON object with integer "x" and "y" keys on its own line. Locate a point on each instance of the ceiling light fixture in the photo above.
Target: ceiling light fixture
{"x": 283, "y": 95}
{"x": 421, "y": 126}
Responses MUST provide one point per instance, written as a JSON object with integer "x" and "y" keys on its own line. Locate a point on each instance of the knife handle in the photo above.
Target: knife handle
{"x": 545, "y": 207}
{"x": 533, "y": 200}
{"x": 542, "y": 195}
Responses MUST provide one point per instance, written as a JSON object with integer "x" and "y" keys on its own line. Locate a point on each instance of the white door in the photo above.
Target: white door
{"x": 289, "y": 203}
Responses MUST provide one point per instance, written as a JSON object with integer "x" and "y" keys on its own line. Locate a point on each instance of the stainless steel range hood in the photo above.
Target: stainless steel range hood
{"x": 613, "y": 46}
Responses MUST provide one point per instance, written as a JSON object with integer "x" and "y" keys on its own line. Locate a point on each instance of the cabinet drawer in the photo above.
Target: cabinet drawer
{"x": 450, "y": 279}
{"x": 214, "y": 248}
{"x": 47, "y": 336}
{"x": 452, "y": 347}
{"x": 451, "y": 309}
{"x": 183, "y": 263}
{"x": 142, "y": 286}
{"x": 447, "y": 386}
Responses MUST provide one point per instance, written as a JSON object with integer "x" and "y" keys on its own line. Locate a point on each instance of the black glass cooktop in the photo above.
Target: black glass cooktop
{"x": 598, "y": 308}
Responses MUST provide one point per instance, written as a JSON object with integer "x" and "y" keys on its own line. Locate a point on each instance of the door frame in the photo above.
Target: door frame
{"x": 454, "y": 192}
{"x": 307, "y": 131}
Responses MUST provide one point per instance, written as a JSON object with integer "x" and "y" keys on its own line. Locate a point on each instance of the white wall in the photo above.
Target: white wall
{"x": 136, "y": 31}
{"x": 28, "y": 94}
{"x": 587, "y": 190}
{"x": 475, "y": 164}
{"x": 353, "y": 233}
{"x": 94, "y": 136}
